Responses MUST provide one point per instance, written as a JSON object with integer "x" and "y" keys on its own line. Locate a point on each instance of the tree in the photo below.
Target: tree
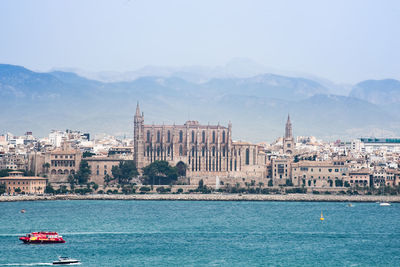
{"x": 46, "y": 167}
{"x": 181, "y": 168}
{"x": 49, "y": 189}
{"x": 82, "y": 176}
{"x": 270, "y": 183}
{"x": 87, "y": 154}
{"x": 289, "y": 182}
{"x": 71, "y": 181}
{"x": 95, "y": 186}
{"x": 201, "y": 184}
{"x": 4, "y": 173}
{"x": 108, "y": 178}
{"x": 260, "y": 184}
{"x": 159, "y": 172}
{"x": 17, "y": 190}
{"x": 125, "y": 171}
{"x": 2, "y": 189}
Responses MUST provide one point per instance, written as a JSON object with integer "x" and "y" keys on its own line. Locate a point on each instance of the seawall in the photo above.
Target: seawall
{"x": 210, "y": 197}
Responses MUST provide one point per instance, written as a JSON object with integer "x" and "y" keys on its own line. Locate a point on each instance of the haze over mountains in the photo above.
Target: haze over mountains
{"x": 256, "y": 101}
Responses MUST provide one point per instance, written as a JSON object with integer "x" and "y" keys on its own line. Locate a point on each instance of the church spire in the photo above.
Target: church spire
{"x": 288, "y": 129}
{"x": 137, "y": 110}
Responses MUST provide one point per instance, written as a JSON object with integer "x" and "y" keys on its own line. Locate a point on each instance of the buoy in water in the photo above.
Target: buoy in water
{"x": 322, "y": 217}
{"x": 22, "y": 211}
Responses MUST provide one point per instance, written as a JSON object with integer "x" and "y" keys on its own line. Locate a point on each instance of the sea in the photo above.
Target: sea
{"x": 203, "y": 233}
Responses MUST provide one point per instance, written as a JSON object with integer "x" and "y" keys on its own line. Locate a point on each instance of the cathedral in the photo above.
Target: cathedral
{"x": 207, "y": 150}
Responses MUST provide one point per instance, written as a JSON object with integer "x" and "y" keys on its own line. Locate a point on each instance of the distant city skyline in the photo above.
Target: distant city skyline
{"x": 343, "y": 41}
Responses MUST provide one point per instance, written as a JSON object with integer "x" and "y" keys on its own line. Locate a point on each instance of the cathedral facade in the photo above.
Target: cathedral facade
{"x": 207, "y": 150}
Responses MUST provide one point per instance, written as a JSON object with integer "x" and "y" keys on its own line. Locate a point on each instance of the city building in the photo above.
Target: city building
{"x": 16, "y": 183}
{"x": 207, "y": 150}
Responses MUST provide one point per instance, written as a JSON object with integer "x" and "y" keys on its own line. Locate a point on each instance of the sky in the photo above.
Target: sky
{"x": 343, "y": 41}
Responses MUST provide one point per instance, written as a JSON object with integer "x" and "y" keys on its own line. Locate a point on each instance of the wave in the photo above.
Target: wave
{"x": 26, "y": 264}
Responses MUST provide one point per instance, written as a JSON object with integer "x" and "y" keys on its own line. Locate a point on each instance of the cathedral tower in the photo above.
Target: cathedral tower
{"x": 288, "y": 140}
{"x": 138, "y": 137}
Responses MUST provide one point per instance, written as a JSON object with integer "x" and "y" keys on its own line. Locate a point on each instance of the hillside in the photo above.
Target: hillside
{"x": 257, "y": 106}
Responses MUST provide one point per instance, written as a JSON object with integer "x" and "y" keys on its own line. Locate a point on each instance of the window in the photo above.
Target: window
{"x": 158, "y": 136}
{"x": 148, "y": 136}
{"x": 247, "y": 156}
{"x": 223, "y": 137}
{"x": 169, "y": 136}
{"x": 213, "y": 151}
{"x": 180, "y": 150}
{"x": 213, "y": 136}
{"x": 203, "y": 151}
{"x": 203, "y": 137}
{"x": 180, "y": 136}
{"x": 192, "y": 136}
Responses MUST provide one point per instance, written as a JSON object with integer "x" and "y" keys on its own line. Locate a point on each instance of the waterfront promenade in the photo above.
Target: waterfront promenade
{"x": 210, "y": 197}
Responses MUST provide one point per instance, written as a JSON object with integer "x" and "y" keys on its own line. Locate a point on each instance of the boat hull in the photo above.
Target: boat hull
{"x": 42, "y": 241}
{"x": 65, "y": 262}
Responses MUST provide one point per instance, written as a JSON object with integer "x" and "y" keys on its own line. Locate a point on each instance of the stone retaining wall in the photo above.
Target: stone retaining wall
{"x": 210, "y": 197}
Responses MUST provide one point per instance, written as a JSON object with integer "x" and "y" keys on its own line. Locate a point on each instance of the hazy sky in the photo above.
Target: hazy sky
{"x": 345, "y": 41}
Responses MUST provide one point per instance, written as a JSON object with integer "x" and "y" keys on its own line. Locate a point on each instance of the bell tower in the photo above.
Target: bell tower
{"x": 138, "y": 139}
{"x": 288, "y": 140}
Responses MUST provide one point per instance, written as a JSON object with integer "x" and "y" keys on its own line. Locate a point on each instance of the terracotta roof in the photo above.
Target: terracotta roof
{"x": 23, "y": 178}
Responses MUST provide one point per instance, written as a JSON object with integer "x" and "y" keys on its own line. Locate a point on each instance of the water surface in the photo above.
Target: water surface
{"x": 203, "y": 233}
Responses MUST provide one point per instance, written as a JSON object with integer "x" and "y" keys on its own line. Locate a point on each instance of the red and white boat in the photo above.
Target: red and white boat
{"x": 42, "y": 238}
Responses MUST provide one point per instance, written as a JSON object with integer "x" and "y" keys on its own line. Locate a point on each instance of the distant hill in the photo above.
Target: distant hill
{"x": 380, "y": 92}
{"x": 257, "y": 106}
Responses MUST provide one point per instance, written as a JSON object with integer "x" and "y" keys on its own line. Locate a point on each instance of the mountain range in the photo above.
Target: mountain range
{"x": 257, "y": 104}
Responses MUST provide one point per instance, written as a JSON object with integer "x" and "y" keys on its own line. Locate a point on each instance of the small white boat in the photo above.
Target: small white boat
{"x": 384, "y": 204}
{"x": 66, "y": 261}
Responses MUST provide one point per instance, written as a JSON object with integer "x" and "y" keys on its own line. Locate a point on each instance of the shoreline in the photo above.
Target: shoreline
{"x": 210, "y": 197}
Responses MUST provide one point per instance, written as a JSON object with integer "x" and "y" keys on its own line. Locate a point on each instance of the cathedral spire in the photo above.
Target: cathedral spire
{"x": 288, "y": 129}
{"x": 137, "y": 110}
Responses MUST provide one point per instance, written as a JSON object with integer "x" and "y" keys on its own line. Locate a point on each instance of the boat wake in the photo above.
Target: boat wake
{"x": 27, "y": 264}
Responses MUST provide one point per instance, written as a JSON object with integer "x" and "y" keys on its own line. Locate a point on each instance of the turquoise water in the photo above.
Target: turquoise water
{"x": 177, "y": 233}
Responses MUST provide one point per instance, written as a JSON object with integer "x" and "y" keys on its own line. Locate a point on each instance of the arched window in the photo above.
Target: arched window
{"x": 158, "y": 136}
{"x": 169, "y": 136}
{"x": 72, "y": 172}
{"x": 53, "y": 171}
{"x": 148, "y": 150}
{"x": 203, "y": 151}
{"x": 169, "y": 150}
{"x": 59, "y": 172}
{"x": 148, "y": 136}
{"x": 66, "y": 172}
{"x": 180, "y": 150}
{"x": 193, "y": 151}
{"x": 158, "y": 151}
{"x": 192, "y": 136}
{"x": 247, "y": 156}
{"x": 203, "y": 137}
{"x": 213, "y": 137}
{"x": 213, "y": 151}
{"x": 223, "y": 137}
{"x": 180, "y": 136}
{"x": 223, "y": 151}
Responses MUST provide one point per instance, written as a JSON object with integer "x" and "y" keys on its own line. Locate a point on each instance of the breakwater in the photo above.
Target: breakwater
{"x": 210, "y": 197}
